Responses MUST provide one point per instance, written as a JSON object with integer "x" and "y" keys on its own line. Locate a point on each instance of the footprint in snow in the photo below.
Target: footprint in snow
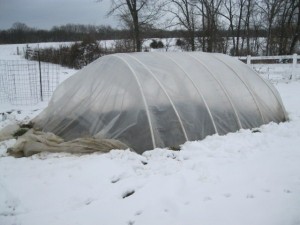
{"x": 138, "y": 213}
{"x": 207, "y": 198}
{"x": 267, "y": 190}
{"x": 11, "y": 208}
{"x": 131, "y": 222}
{"x": 250, "y": 196}
{"x": 227, "y": 195}
{"x": 117, "y": 178}
{"x": 128, "y": 193}
{"x": 144, "y": 162}
{"x": 287, "y": 191}
{"x": 88, "y": 201}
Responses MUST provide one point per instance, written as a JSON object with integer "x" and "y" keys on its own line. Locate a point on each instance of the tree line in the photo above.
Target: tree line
{"x": 204, "y": 21}
{"x": 240, "y": 27}
{"x": 22, "y": 33}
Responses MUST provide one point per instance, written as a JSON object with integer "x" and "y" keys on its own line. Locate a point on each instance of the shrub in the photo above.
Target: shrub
{"x": 156, "y": 44}
{"x": 75, "y": 56}
{"x": 180, "y": 43}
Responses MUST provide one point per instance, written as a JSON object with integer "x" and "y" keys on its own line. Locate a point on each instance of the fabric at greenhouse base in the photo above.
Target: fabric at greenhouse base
{"x": 34, "y": 142}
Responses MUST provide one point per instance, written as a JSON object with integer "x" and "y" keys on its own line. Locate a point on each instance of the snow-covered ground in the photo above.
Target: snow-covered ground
{"x": 248, "y": 178}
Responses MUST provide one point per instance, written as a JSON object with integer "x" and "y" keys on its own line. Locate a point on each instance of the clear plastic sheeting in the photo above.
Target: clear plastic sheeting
{"x": 149, "y": 100}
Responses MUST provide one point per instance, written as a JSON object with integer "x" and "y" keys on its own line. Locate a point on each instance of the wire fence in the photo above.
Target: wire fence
{"x": 275, "y": 68}
{"x": 24, "y": 82}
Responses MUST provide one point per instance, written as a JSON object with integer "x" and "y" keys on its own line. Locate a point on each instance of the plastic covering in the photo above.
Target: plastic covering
{"x": 149, "y": 100}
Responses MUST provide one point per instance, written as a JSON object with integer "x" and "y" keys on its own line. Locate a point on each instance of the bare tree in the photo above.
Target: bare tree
{"x": 287, "y": 27}
{"x": 230, "y": 16}
{"x": 168, "y": 43}
{"x": 296, "y": 36}
{"x": 210, "y": 11}
{"x": 256, "y": 29}
{"x": 19, "y": 31}
{"x": 240, "y": 16}
{"x": 270, "y": 10}
{"x": 195, "y": 16}
{"x": 249, "y": 7}
{"x": 238, "y": 13}
{"x": 183, "y": 12}
{"x": 136, "y": 14}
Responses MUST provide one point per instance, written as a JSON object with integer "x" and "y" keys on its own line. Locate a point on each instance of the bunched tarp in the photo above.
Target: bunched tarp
{"x": 149, "y": 100}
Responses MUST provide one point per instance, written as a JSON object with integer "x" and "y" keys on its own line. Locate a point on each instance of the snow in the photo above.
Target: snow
{"x": 249, "y": 178}
{"x": 277, "y": 72}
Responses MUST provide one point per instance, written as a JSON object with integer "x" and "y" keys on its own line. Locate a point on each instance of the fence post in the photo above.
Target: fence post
{"x": 40, "y": 70}
{"x": 248, "y": 59}
{"x": 294, "y": 66}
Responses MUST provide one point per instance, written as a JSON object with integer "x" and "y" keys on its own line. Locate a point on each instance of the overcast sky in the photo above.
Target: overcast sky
{"x": 45, "y": 14}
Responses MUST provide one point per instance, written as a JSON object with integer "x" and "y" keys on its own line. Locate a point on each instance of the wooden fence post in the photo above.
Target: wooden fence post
{"x": 248, "y": 59}
{"x": 294, "y": 66}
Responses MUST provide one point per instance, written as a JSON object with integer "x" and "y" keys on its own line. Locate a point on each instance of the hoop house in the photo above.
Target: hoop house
{"x": 149, "y": 100}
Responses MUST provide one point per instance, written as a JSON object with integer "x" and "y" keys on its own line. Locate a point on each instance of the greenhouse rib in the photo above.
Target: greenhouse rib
{"x": 144, "y": 99}
{"x": 246, "y": 85}
{"x": 223, "y": 88}
{"x": 165, "y": 91}
{"x": 273, "y": 92}
{"x": 199, "y": 92}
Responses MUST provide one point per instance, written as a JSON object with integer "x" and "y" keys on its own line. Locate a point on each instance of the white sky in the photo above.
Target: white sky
{"x": 45, "y": 14}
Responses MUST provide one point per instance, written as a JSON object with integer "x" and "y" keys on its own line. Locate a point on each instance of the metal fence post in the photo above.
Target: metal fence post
{"x": 40, "y": 70}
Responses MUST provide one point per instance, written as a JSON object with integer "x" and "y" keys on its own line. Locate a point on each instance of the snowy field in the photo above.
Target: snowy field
{"x": 243, "y": 178}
